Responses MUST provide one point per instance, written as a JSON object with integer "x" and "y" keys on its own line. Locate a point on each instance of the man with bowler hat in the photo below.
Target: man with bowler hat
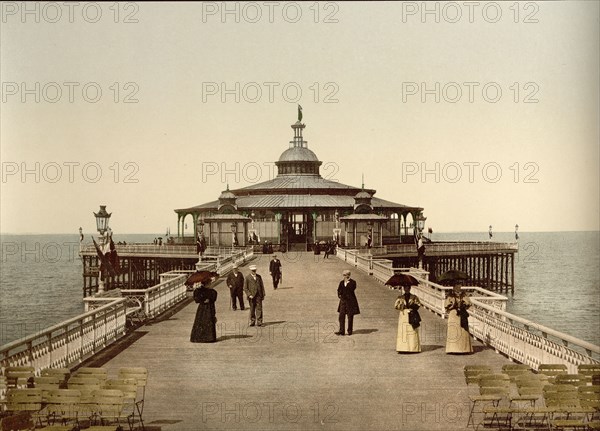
{"x": 275, "y": 270}
{"x": 348, "y": 305}
{"x": 235, "y": 282}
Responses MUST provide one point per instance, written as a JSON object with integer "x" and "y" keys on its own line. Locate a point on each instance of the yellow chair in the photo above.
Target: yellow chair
{"x": 96, "y": 372}
{"x": 589, "y": 370}
{"x": 140, "y": 374}
{"x": 129, "y": 389}
{"x": 28, "y": 400}
{"x": 17, "y": 377}
{"x": 63, "y": 405}
{"x": 472, "y": 373}
{"x": 515, "y": 370}
{"x": 63, "y": 375}
{"x": 3, "y": 386}
{"x": 108, "y": 407}
{"x": 552, "y": 370}
{"x": 571, "y": 379}
{"x": 589, "y": 397}
{"x": 86, "y": 385}
{"x": 492, "y": 389}
{"x": 529, "y": 389}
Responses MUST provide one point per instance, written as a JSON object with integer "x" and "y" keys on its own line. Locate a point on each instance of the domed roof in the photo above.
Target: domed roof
{"x": 298, "y": 154}
{"x": 362, "y": 195}
{"x": 227, "y": 195}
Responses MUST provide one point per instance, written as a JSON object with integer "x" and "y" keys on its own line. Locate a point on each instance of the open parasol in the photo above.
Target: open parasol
{"x": 452, "y": 276}
{"x": 402, "y": 280}
{"x": 201, "y": 277}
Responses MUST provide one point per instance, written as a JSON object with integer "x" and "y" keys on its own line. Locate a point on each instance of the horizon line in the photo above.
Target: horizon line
{"x": 458, "y": 231}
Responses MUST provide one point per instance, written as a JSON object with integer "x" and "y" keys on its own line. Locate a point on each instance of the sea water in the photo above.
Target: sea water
{"x": 557, "y": 280}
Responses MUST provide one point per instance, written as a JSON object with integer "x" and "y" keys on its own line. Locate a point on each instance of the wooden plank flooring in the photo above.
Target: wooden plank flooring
{"x": 294, "y": 373}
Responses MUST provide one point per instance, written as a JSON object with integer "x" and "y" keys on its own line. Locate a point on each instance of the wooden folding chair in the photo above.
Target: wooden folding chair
{"x": 472, "y": 373}
{"x": 492, "y": 389}
{"x": 63, "y": 405}
{"x": 589, "y": 397}
{"x": 589, "y": 370}
{"x": 571, "y": 379}
{"x": 129, "y": 389}
{"x": 140, "y": 374}
{"x": 567, "y": 413}
{"x": 27, "y": 400}
{"x": 108, "y": 408}
{"x": 3, "y": 387}
{"x": 17, "y": 377}
{"x": 63, "y": 375}
{"x": 529, "y": 389}
{"x": 95, "y": 372}
{"x": 515, "y": 370}
{"x": 86, "y": 385}
{"x": 552, "y": 370}
{"x": 46, "y": 383}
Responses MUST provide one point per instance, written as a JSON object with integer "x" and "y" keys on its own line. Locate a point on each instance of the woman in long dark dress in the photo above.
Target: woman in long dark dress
{"x": 204, "y": 329}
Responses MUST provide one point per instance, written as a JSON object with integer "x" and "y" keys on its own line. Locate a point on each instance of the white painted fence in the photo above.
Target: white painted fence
{"x": 104, "y": 321}
{"x": 69, "y": 342}
{"x": 526, "y": 341}
{"x": 520, "y": 339}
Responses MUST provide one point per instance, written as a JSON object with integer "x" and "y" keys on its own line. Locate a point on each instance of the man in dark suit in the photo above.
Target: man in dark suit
{"x": 255, "y": 291}
{"x": 348, "y": 305}
{"x": 235, "y": 282}
{"x": 275, "y": 270}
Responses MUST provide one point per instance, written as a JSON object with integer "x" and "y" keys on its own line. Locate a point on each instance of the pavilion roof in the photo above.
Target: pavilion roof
{"x": 274, "y": 201}
{"x": 308, "y": 181}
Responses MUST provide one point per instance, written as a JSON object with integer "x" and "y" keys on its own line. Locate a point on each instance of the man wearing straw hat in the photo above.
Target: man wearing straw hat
{"x": 255, "y": 291}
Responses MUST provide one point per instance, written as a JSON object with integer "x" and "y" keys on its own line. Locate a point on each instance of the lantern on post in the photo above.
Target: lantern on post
{"x": 420, "y": 220}
{"x": 102, "y": 221}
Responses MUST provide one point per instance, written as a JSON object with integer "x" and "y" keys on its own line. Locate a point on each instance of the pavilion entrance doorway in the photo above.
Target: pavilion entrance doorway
{"x": 297, "y": 231}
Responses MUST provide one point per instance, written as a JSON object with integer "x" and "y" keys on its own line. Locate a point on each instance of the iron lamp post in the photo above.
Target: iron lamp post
{"x": 102, "y": 221}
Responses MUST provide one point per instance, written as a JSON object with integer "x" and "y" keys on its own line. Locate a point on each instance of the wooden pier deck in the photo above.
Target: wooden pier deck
{"x": 294, "y": 373}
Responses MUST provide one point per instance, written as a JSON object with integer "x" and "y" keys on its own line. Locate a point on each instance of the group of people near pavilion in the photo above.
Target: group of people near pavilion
{"x": 457, "y": 303}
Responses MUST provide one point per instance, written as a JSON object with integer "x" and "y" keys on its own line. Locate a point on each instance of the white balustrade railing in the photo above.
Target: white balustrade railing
{"x": 70, "y": 342}
{"x": 238, "y": 257}
{"x": 363, "y": 262}
{"x": 145, "y": 249}
{"x": 155, "y": 249}
{"x": 448, "y": 248}
{"x": 158, "y": 299}
{"x": 341, "y": 253}
{"x": 382, "y": 269}
{"x": 433, "y": 295}
{"x": 526, "y": 341}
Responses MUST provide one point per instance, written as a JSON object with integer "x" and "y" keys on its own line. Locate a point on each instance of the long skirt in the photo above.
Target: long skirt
{"x": 204, "y": 329}
{"x": 407, "y": 339}
{"x": 457, "y": 339}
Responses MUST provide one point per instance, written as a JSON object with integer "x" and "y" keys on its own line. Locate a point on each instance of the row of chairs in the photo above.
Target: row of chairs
{"x": 568, "y": 400}
{"x": 59, "y": 396}
{"x": 64, "y": 408}
{"x": 551, "y": 372}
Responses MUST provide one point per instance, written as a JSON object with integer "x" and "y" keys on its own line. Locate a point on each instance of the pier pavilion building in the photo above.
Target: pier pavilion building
{"x": 293, "y": 211}
{"x": 298, "y": 208}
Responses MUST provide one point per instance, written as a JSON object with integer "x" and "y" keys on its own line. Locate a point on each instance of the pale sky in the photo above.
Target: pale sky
{"x": 471, "y": 159}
